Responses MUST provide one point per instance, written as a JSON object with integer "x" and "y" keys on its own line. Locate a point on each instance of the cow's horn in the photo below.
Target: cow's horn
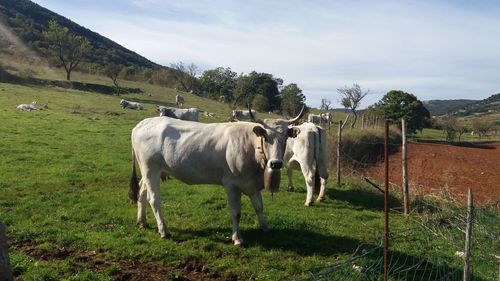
{"x": 294, "y": 120}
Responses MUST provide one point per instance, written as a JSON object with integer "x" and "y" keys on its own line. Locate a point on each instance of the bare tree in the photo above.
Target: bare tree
{"x": 351, "y": 99}
{"x": 325, "y": 104}
{"x": 112, "y": 71}
{"x": 185, "y": 75}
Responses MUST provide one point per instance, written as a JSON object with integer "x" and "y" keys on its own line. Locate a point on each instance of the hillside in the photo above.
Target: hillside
{"x": 442, "y": 107}
{"x": 464, "y": 107}
{"x": 489, "y": 105}
{"x": 27, "y": 21}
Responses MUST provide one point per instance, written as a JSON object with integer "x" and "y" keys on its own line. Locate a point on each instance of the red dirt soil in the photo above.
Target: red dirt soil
{"x": 439, "y": 169}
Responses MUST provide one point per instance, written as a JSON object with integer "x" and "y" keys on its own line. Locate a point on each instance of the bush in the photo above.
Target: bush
{"x": 362, "y": 147}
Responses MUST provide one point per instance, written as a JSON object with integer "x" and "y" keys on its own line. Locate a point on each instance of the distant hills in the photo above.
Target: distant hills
{"x": 464, "y": 107}
{"x": 27, "y": 20}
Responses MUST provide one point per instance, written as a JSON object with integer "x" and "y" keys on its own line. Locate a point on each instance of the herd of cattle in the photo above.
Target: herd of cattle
{"x": 243, "y": 157}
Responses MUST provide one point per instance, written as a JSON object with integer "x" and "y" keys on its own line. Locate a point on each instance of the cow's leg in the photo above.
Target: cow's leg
{"x": 321, "y": 196}
{"x": 141, "y": 205}
{"x": 256, "y": 199}
{"x": 234, "y": 200}
{"x": 152, "y": 180}
{"x": 309, "y": 179}
{"x": 289, "y": 172}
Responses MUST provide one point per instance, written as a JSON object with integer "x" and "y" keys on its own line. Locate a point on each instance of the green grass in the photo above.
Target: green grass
{"x": 63, "y": 189}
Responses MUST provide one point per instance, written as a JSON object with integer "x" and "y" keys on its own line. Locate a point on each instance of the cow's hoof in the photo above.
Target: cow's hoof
{"x": 308, "y": 204}
{"x": 290, "y": 189}
{"x": 320, "y": 199}
{"x": 238, "y": 242}
{"x": 142, "y": 224}
{"x": 165, "y": 235}
{"x": 264, "y": 228}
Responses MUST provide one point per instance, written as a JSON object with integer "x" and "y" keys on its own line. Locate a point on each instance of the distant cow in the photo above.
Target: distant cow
{"x": 326, "y": 117}
{"x": 179, "y": 100}
{"x": 242, "y": 115}
{"x": 314, "y": 118}
{"x": 308, "y": 153}
{"x": 240, "y": 156}
{"x": 27, "y": 107}
{"x": 189, "y": 114}
{"x": 131, "y": 105}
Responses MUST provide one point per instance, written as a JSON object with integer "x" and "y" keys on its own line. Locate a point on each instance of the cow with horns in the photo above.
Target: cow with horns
{"x": 243, "y": 157}
{"x": 308, "y": 153}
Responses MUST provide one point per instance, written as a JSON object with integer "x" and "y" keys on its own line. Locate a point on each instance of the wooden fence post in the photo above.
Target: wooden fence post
{"x": 338, "y": 152}
{"x": 406, "y": 192}
{"x": 468, "y": 236}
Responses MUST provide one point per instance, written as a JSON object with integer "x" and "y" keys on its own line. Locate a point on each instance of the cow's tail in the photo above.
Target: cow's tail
{"x": 133, "y": 192}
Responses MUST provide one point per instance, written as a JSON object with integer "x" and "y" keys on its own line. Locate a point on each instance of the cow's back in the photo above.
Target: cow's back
{"x": 192, "y": 152}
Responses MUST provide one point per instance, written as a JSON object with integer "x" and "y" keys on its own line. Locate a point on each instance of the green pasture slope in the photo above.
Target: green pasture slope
{"x": 63, "y": 196}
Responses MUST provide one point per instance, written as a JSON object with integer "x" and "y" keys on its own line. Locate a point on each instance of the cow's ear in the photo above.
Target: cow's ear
{"x": 293, "y": 132}
{"x": 259, "y": 131}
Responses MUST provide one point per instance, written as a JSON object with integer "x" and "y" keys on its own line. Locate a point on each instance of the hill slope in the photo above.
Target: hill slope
{"x": 463, "y": 107}
{"x": 27, "y": 21}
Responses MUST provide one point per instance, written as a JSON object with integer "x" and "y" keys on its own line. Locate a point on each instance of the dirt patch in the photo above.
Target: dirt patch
{"x": 447, "y": 169}
{"x": 120, "y": 270}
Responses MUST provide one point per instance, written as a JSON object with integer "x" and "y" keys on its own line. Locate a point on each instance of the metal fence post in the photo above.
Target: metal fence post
{"x": 468, "y": 236}
{"x": 406, "y": 193}
{"x": 386, "y": 201}
{"x": 338, "y": 152}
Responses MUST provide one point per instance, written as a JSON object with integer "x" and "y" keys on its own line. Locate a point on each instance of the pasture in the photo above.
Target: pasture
{"x": 63, "y": 196}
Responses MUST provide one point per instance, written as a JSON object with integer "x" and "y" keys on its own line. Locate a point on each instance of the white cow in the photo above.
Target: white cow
{"x": 308, "y": 153}
{"x": 236, "y": 155}
{"x": 131, "y": 105}
{"x": 314, "y": 118}
{"x": 189, "y": 114}
{"x": 179, "y": 100}
{"x": 326, "y": 118}
{"x": 27, "y": 107}
{"x": 239, "y": 115}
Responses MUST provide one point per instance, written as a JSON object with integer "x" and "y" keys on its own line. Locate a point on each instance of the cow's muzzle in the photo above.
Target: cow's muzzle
{"x": 275, "y": 164}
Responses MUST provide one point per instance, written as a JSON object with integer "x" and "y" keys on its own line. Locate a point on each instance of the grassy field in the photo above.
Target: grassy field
{"x": 63, "y": 196}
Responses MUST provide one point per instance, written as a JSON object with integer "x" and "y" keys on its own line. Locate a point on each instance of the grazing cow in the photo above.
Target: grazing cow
{"x": 239, "y": 115}
{"x": 131, "y": 105}
{"x": 189, "y": 114}
{"x": 241, "y": 156}
{"x": 222, "y": 99}
{"x": 314, "y": 118}
{"x": 308, "y": 153}
{"x": 27, "y": 107}
{"x": 179, "y": 100}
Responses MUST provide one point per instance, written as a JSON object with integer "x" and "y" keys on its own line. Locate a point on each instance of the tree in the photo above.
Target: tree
{"x": 482, "y": 126}
{"x": 292, "y": 99}
{"x": 218, "y": 82}
{"x": 69, "y": 49}
{"x": 112, "y": 71}
{"x": 185, "y": 75}
{"x": 253, "y": 84}
{"x": 351, "y": 99}
{"x": 325, "y": 104}
{"x": 398, "y": 104}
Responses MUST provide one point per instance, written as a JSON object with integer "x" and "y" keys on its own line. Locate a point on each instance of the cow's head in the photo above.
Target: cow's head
{"x": 270, "y": 146}
{"x": 123, "y": 103}
{"x": 165, "y": 111}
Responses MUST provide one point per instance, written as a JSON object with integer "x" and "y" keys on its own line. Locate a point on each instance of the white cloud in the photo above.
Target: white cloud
{"x": 432, "y": 49}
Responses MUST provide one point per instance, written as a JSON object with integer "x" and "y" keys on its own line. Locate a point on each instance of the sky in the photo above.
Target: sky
{"x": 431, "y": 49}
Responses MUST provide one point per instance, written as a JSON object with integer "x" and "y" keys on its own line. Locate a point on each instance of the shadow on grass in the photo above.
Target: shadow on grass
{"x": 89, "y": 87}
{"x": 151, "y": 101}
{"x": 371, "y": 200}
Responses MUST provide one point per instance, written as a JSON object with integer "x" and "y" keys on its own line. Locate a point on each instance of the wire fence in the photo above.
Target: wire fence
{"x": 429, "y": 247}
